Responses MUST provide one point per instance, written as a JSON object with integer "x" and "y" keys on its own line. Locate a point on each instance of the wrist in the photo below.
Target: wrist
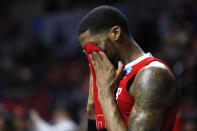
{"x": 107, "y": 103}
{"x": 106, "y": 97}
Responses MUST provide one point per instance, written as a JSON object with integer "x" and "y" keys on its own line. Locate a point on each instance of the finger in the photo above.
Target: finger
{"x": 98, "y": 55}
{"x": 102, "y": 54}
{"x": 97, "y": 58}
{"x": 104, "y": 57}
{"x": 120, "y": 68}
{"x": 92, "y": 59}
{"x": 92, "y": 62}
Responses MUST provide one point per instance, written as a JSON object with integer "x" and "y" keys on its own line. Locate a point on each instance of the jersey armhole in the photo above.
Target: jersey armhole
{"x": 129, "y": 83}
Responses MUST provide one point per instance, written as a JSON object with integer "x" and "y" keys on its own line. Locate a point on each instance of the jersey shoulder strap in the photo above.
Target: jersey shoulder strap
{"x": 135, "y": 68}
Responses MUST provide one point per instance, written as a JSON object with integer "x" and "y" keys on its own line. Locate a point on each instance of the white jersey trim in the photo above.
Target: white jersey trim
{"x": 138, "y": 60}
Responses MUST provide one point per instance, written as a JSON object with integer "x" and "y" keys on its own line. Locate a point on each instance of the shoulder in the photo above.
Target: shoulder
{"x": 159, "y": 72}
{"x": 155, "y": 82}
{"x": 156, "y": 71}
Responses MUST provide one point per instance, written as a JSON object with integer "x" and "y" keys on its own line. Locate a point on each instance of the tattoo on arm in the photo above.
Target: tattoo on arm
{"x": 150, "y": 93}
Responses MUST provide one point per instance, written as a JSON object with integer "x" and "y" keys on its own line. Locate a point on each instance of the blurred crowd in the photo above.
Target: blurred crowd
{"x": 44, "y": 75}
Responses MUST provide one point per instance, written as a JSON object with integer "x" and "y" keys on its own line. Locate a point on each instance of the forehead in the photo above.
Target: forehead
{"x": 86, "y": 37}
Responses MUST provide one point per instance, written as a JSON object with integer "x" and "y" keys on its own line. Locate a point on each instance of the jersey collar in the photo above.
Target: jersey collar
{"x": 138, "y": 60}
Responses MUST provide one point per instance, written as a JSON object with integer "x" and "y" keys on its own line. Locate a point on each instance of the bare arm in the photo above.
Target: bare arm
{"x": 90, "y": 104}
{"x": 153, "y": 87}
{"x": 152, "y": 90}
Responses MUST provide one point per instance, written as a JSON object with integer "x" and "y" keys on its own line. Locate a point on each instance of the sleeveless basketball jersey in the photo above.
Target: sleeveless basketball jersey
{"x": 125, "y": 101}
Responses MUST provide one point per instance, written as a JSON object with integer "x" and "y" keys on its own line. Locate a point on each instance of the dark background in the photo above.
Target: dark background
{"x": 42, "y": 64}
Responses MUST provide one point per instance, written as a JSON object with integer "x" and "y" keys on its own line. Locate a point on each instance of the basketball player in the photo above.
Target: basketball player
{"x": 136, "y": 91}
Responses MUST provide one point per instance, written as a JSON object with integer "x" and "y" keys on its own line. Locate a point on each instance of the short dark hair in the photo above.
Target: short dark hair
{"x": 102, "y": 18}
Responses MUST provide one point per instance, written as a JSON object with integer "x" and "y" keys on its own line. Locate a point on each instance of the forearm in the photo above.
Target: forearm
{"x": 90, "y": 105}
{"x": 112, "y": 116}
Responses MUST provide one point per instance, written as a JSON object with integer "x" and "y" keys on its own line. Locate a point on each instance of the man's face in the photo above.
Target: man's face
{"x": 102, "y": 41}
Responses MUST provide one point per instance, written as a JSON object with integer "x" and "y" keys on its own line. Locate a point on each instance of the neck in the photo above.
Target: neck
{"x": 129, "y": 50}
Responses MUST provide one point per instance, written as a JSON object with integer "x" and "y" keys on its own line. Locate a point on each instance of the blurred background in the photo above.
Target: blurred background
{"x": 44, "y": 75}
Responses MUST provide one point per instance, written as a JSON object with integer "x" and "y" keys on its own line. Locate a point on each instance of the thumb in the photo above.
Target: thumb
{"x": 120, "y": 68}
{"x": 118, "y": 74}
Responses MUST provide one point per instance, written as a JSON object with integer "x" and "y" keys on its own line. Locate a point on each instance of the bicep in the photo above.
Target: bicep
{"x": 147, "y": 112}
{"x": 149, "y": 93}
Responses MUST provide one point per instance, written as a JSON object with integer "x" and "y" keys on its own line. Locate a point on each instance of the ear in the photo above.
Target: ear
{"x": 115, "y": 33}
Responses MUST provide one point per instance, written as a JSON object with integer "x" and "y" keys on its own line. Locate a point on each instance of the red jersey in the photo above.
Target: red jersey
{"x": 125, "y": 101}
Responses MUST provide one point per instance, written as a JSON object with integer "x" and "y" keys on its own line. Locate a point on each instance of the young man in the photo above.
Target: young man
{"x": 146, "y": 95}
